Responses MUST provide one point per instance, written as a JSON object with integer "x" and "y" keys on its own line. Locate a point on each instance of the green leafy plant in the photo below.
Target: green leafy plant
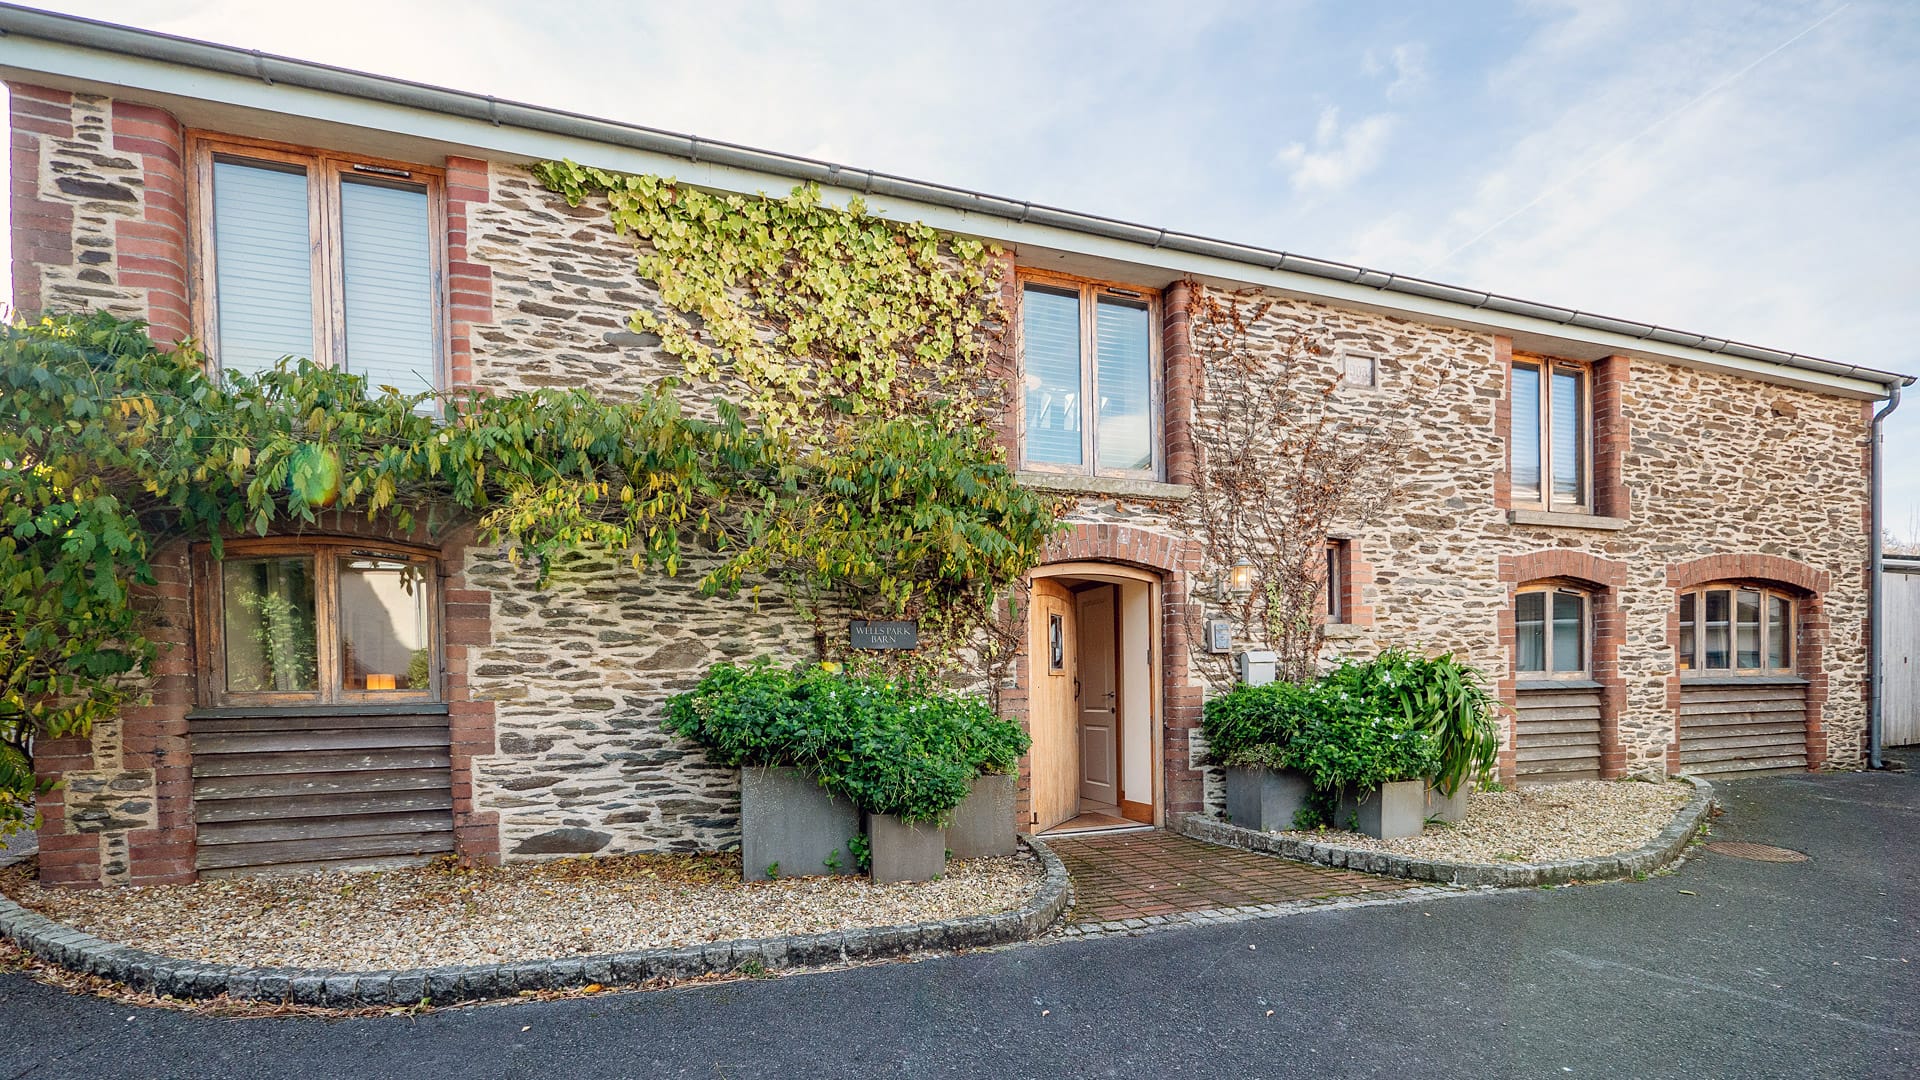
{"x": 1253, "y": 725}
{"x": 861, "y": 847}
{"x": 1451, "y": 700}
{"x": 888, "y": 745}
{"x": 111, "y": 449}
{"x": 1359, "y": 738}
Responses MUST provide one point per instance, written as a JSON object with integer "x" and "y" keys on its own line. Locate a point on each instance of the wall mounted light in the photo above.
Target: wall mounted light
{"x": 1240, "y": 576}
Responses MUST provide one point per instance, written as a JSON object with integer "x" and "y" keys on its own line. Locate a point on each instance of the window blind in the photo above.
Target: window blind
{"x": 1050, "y": 351}
{"x": 1123, "y": 375}
{"x": 386, "y": 259}
{"x": 1526, "y": 430}
{"x": 1568, "y": 438}
{"x": 263, "y": 266}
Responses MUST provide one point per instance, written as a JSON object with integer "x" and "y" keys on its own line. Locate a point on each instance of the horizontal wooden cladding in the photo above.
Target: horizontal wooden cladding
{"x": 1728, "y": 727}
{"x": 1556, "y": 735}
{"x": 308, "y": 788}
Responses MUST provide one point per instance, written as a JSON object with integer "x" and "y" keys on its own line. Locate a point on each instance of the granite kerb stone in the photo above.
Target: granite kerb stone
{"x": 1656, "y": 853}
{"x": 140, "y": 969}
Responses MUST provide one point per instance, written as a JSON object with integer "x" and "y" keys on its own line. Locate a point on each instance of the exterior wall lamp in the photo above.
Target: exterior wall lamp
{"x": 1240, "y": 576}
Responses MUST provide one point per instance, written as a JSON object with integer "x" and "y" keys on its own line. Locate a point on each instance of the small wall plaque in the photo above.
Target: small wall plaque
{"x": 870, "y": 634}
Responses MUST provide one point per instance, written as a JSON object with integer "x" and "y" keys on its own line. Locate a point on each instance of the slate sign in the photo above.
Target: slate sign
{"x": 884, "y": 635}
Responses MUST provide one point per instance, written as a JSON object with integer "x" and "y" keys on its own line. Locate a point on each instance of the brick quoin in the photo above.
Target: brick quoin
{"x": 1601, "y": 579}
{"x": 152, "y": 253}
{"x": 41, "y": 231}
{"x": 1610, "y": 436}
{"x": 469, "y": 283}
{"x": 1183, "y": 375}
{"x": 1809, "y": 585}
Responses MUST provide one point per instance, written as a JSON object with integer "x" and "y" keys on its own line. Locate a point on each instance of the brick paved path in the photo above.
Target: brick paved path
{"x": 1142, "y": 874}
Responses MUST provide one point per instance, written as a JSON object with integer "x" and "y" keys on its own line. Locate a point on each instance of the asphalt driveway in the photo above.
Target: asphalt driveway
{"x": 1726, "y": 968}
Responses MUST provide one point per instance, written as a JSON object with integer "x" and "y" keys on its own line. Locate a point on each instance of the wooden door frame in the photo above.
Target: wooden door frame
{"x": 1122, "y": 574}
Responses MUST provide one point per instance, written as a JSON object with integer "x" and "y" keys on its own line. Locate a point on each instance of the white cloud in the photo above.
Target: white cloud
{"x": 1409, "y": 64}
{"x": 1339, "y": 156}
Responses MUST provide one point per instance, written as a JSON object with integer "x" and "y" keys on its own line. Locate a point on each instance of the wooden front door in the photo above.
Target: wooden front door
{"x": 1053, "y": 711}
{"x": 1099, "y": 687}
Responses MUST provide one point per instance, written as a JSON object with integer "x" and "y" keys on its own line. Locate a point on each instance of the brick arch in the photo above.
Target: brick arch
{"x": 1123, "y": 544}
{"x": 1567, "y": 563}
{"x": 1809, "y": 580}
{"x": 1603, "y": 578}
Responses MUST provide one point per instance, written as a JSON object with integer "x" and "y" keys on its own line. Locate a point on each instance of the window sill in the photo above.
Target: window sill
{"x": 1104, "y": 485}
{"x": 1557, "y": 519}
{"x": 1688, "y": 678}
{"x": 1529, "y": 685}
{"x": 371, "y": 708}
{"x": 1345, "y": 631}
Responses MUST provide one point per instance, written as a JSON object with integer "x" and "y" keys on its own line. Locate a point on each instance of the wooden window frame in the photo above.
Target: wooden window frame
{"x": 1690, "y": 667}
{"x": 1338, "y": 609}
{"x": 210, "y": 622}
{"x": 1545, "y": 499}
{"x": 1090, "y": 291}
{"x": 1549, "y": 589}
{"x": 325, "y": 170}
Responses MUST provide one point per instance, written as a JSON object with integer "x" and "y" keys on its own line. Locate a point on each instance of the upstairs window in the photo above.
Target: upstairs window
{"x": 1090, "y": 369}
{"x": 316, "y": 255}
{"x": 1552, "y": 633}
{"x": 1551, "y": 436}
{"x": 1736, "y": 629}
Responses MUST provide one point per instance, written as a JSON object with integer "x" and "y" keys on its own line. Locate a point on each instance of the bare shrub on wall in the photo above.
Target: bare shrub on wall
{"x": 1280, "y": 468}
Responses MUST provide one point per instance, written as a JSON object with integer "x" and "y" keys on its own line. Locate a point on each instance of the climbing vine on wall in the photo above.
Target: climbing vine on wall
{"x": 1282, "y": 466}
{"x": 866, "y": 341}
{"x": 814, "y": 313}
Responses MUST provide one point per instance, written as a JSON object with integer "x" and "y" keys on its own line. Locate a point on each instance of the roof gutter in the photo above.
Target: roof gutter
{"x": 276, "y": 70}
{"x": 1876, "y": 590}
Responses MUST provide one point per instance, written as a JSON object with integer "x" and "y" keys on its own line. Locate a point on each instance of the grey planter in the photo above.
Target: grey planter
{"x": 787, "y": 821}
{"x": 983, "y": 822}
{"x": 1265, "y": 799}
{"x": 1396, "y": 809}
{"x": 1450, "y": 809}
{"x": 903, "y": 852}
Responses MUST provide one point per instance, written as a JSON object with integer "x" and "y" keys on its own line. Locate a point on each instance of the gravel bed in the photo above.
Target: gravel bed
{"x": 444, "y": 914}
{"x": 1547, "y": 823}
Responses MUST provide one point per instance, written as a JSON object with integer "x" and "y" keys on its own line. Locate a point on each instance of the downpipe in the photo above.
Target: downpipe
{"x": 1876, "y": 660}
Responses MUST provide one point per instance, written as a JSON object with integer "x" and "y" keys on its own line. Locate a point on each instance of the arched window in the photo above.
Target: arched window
{"x": 1737, "y": 629}
{"x": 1552, "y": 632}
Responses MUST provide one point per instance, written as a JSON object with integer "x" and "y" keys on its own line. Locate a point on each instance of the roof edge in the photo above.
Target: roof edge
{"x": 270, "y": 68}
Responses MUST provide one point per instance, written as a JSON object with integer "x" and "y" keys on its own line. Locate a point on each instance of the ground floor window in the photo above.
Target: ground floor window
{"x": 318, "y": 622}
{"x": 1551, "y": 632}
{"x": 1738, "y": 629}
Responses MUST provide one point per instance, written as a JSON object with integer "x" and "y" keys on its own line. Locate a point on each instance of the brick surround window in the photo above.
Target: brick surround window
{"x": 308, "y": 253}
{"x": 328, "y": 622}
{"x": 1339, "y": 583}
{"x": 1553, "y": 633}
{"x": 1736, "y": 629}
{"x": 1551, "y": 438}
{"x": 1091, "y": 379}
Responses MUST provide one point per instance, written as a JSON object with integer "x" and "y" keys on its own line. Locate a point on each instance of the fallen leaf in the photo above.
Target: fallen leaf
{"x": 529, "y": 1027}
{"x": 1688, "y": 892}
{"x": 592, "y": 988}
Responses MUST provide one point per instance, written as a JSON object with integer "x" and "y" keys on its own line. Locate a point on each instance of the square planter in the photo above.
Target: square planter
{"x": 1396, "y": 809}
{"x": 1265, "y": 799}
{"x": 1451, "y": 809}
{"x": 903, "y": 852}
{"x": 983, "y": 822}
{"x": 788, "y": 821}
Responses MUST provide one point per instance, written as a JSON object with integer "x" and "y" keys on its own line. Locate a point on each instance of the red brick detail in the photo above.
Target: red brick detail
{"x": 476, "y": 834}
{"x": 1610, "y": 436}
{"x": 41, "y": 231}
{"x": 469, "y": 283}
{"x": 152, "y": 253}
{"x": 1809, "y": 655}
{"x": 1602, "y": 580}
{"x": 1183, "y": 374}
{"x": 1175, "y": 560}
{"x": 1503, "y": 425}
